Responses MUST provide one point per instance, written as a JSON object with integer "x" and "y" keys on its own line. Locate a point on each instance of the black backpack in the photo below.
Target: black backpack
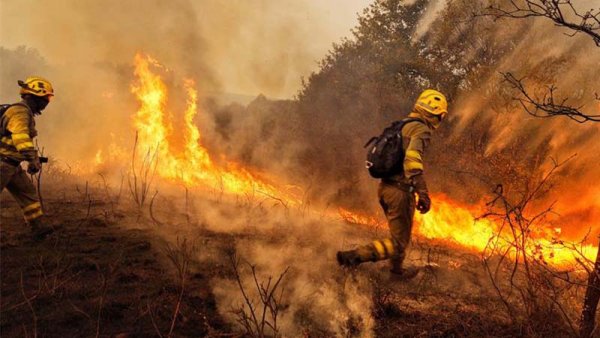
{"x": 3, "y": 108}
{"x": 385, "y": 153}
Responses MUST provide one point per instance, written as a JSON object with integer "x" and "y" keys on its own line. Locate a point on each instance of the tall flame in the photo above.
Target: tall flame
{"x": 192, "y": 164}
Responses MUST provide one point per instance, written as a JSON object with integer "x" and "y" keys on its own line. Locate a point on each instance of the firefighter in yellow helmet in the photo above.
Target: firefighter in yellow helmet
{"x": 397, "y": 193}
{"x": 17, "y": 130}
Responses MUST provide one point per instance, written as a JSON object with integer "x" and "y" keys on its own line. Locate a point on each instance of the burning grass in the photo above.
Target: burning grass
{"x": 319, "y": 298}
{"x": 226, "y": 207}
{"x": 192, "y": 165}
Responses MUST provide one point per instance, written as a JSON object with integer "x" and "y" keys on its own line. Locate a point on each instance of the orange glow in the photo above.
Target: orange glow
{"x": 190, "y": 164}
{"x": 456, "y": 224}
{"x": 360, "y": 218}
{"x": 98, "y": 159}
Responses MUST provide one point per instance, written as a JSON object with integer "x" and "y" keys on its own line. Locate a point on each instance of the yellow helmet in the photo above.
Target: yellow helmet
{"x": 37, "y": 86}
{"x": 433, "y": 102}
{"x": 432, "y": 106}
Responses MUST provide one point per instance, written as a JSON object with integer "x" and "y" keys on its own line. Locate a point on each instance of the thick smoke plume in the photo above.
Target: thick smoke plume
{"x": 87, "y": 50}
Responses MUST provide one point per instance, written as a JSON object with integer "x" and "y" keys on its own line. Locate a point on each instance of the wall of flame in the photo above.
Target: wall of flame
{"x": 192, "y": 165}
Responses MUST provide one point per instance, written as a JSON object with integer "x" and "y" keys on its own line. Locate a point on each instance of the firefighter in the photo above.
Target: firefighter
{"x": 17, "y": 130}
{"x": 397, "y": 193}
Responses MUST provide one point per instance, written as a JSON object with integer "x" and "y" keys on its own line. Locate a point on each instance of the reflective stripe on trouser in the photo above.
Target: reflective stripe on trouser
{"x": 16, "y": 181}
{"x": 399, "y": 208}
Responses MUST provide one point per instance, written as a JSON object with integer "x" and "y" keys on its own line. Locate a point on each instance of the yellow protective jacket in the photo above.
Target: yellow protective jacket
{"x": 17, "y": 130}
{"x": 415, "y": 138}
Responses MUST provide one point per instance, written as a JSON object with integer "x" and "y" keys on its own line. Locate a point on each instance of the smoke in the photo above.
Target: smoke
{"x": 246, "y": 48}
{"x": 544, "y": 56}
{"x": 318, "y": 296}
{"x": 430, "y": 14}
{"x": 487, "y": 130}
{"x": 87, "y": 50}
{"x": 488, "y": 133}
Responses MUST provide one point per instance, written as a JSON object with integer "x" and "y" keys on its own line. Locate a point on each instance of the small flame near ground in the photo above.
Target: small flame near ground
{"x": 191, "y": 164}
{"x": 459, "y": 225}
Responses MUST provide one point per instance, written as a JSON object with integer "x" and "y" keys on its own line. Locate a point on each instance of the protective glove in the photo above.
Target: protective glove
{"x": 34, "y": 165}
{"x": 424, "y": 203}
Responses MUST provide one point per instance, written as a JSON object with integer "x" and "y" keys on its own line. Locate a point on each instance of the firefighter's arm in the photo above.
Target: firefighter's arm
{"x": 18, "y": 124}
{"x": 419, "y": 136}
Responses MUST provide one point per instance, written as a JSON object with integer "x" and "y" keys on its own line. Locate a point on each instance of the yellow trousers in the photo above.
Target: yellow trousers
{"x": 398, "y": 204}
{"x": 20, "y": 186}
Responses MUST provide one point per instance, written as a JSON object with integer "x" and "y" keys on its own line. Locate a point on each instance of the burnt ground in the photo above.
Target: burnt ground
{"x": 109, "y": 273}
{"x": 95, "y": 278}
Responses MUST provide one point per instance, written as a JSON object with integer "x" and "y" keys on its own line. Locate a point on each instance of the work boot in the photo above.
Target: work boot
{"x": 404, "y": 274}
{"x": 39, "y": 231}
{"x": 348, "y": 258}
{"x": 400, "y": 273}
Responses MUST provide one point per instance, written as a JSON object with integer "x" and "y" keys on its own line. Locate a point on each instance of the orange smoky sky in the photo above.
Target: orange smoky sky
{"x": 242, "y": 47}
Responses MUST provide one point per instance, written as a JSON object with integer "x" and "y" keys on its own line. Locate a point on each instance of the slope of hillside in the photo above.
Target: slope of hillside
{"x": 113, "y": 270}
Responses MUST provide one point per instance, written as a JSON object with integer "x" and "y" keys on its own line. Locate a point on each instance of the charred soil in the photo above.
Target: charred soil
{"x": 93, "y": 277}
{"x": 112, "y": 270}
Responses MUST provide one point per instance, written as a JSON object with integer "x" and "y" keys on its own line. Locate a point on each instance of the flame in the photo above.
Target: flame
{"x": 456, "y": 224}
{"x": 191, "y": 163}
{"x": 98, "y": 159}
{"x": 360, "y": 218}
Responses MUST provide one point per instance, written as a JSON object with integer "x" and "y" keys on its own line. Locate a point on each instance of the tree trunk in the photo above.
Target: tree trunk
{"x": 590, "y": 302}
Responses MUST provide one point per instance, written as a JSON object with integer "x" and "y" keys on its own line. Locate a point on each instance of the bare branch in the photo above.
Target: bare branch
{"x": 548, "y": 105}
{"x": 256, "y": 320}
{"x": 181, "y": 255}
{"x": 561, "y": 12}
{"x": 515, "y": 260}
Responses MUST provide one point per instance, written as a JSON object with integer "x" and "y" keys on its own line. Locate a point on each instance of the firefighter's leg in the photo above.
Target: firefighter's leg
{"x": 7, "y": 172}
{"x": 372, "y": 252}
{"x": 399, "y": 207}
{"x": 400, "y": 230}
{"x": 23, "y": 191}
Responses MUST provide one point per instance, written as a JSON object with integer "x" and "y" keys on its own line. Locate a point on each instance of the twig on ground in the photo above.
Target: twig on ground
{"x": 140, "y": 179}
{"x": 253, "y": 319}
{"x": 181, "y": 256}
{"x": 151, "y": 206}
{"x": 151, "y": 314}
{"x": 30, "y": 305}
{"x": 105, "y": 276}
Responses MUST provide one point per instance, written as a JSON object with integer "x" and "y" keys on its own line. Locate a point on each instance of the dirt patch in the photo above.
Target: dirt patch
{"x": 95, "y": 278}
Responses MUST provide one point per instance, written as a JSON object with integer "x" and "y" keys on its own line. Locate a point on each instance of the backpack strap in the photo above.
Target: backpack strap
{"x": 411, "y": 119}
{"x": 374, "y": 138}
{"x": 400, "y": 123}
{"x": 407, "y": 121}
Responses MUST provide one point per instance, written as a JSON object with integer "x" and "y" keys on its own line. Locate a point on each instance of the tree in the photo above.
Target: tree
{"x": 564, "y": 14}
